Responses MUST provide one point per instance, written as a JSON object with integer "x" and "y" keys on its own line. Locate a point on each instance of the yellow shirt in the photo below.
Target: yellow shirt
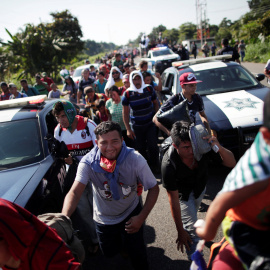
{"x": 119, "y": 83}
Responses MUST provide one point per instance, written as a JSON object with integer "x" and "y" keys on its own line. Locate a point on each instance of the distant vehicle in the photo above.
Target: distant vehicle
{"x": 233, "y": 98}
{"x": 78, "y": 71}
{"x": 30, "y": 174}
{"x": 162, "y": 55}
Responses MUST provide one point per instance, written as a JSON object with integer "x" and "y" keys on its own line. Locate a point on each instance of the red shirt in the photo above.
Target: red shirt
{"x": 5, "y": 96}
{"x": 49, "y": 81}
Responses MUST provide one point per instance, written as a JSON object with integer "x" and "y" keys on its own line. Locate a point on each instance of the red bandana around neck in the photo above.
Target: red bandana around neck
{"x": 107, "y": 164}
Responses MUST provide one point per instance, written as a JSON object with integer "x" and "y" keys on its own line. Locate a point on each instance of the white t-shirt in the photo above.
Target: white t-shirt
{"x": 78, "y": 142}
{"x": 55, "y": 94}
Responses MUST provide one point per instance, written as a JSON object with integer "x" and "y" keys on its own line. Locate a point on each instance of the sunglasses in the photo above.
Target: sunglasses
{"x": 115, "y": 73}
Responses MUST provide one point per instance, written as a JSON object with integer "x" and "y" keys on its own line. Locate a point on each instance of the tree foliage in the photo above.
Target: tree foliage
{"x": 187, "y": 31}
{"x": 46, "y": 46}
{"x": 92, "y": 48}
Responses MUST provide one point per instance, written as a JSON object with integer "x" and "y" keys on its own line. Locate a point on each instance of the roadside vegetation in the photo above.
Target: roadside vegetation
{"x": 48, "y": 46}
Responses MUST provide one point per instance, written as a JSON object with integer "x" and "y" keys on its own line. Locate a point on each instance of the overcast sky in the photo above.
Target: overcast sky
{"x": 116, "y": 20}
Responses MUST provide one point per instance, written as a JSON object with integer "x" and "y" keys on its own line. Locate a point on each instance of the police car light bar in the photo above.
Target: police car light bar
{"x": 201, "y": 60}
{"x": 20, "y": 102}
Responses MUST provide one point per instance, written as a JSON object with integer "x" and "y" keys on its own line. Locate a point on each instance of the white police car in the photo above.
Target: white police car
{"x": 233, "y": 98}
{"x": 163, "y": 55}
{"x": 30, "y": 175}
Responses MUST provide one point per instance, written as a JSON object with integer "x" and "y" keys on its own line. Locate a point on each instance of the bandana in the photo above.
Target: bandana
{"x": 95, "y": 160}
{"x": 107, "y": 164}
{"x": 70, "y": 112}
{"x": 254, "y": 166}
{"x": 111, "y": 81}
{"x": 132, "y": 86}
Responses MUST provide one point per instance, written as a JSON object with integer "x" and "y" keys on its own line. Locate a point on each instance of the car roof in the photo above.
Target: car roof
{"x": 22, "y": 109}
{"x": 87, "y": 66}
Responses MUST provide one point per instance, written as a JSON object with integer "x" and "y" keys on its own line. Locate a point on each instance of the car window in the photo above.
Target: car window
{"x": 162, "y": 52}
{"x": 169, "y": 82}
{"x": 21, "y": 143}
{"x": 77, "y": 72}
{"x": 163, "y": 78}
{"x": 225, "y": 79}
{"x": 51, "y": 122}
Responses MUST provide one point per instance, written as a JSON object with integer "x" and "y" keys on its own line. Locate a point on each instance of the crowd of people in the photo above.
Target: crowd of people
{"x": 122, "y": 112}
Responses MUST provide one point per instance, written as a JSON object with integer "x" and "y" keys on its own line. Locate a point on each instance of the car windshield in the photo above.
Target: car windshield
{"x": 225, "y": 79}
{"x": 20, "y": 144}
{"x": 78, "y": 72}
{"x": 162, "y": 52}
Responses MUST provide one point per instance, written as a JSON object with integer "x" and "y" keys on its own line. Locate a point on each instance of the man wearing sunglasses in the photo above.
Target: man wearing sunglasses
{"x": 115, "y": 78}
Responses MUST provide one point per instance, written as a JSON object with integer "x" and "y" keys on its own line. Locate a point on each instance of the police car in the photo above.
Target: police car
{"x": 162, "y": 55}
{"x": 233, "y": 98}
{"x": 30, "y": 174}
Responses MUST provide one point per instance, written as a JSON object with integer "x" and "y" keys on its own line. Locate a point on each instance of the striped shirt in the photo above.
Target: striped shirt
{"x": 141, "y": 112}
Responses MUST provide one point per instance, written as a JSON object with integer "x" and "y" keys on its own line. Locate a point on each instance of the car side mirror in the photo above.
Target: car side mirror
{"x": 260, "y": 76}
{"x": 166, "y": 91}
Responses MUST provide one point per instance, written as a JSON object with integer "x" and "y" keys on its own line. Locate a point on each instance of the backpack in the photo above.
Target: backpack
{"x": 164, "y": 147}
{"x": 63, "y": 226}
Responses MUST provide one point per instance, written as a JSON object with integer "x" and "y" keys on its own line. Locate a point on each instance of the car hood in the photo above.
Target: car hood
{"x": 18, "y": 184}
{"x": 14, "y": 180}
{"x": 165, "y": 57}
{"x": 235, "y": 109}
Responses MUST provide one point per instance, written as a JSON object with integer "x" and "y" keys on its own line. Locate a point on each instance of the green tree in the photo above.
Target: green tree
{"x": 259, "y": 7}
{"x": 224, "y": 31}
{"x": 44, "y": 47}
{"x": 92, "y": 48}
{"x": 66, "y": 27}
{"x": 172, "y": 35}
{"x": 156, "y": 30}
{"x": 187, "y": 31}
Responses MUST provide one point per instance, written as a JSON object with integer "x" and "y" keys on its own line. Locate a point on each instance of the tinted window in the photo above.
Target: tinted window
{"x": 225, "y": 79}
{"x": 162, "y": 52}
{"x": 20, "y": 143}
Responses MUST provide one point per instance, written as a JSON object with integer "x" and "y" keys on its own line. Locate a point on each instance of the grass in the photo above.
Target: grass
{"x": 258, "y": 52}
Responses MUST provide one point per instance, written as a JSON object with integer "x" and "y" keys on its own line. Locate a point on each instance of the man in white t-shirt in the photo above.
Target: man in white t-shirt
{"x": 78, "y": 134}
{"x": 64, "y": 73}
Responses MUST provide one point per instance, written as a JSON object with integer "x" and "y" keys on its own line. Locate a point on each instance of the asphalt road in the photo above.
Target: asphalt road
{"x": 160, "y": 231}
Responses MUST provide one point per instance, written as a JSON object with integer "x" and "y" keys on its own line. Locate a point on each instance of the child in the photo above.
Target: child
{"x": 244, "y": 201}
{"x": 91, "y": 97}
{"x": 56, "y": 93}
{"x": 14, "y": 92}
{"x": 102, "y": 114}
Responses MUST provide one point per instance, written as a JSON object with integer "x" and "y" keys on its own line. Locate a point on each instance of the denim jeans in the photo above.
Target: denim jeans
{"x": 113, "y": 238}
{"x": 146, "y": 143}
{"x": 189, "y": 211}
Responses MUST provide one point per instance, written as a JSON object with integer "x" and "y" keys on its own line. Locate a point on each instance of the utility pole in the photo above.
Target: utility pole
{"x": 201, "y": 20}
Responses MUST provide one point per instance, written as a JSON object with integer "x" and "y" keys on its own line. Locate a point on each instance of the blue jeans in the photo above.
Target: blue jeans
{"x": 189, "y": 211}
{"x": 242, "y": 53}
{"x": 112, "y": 238}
